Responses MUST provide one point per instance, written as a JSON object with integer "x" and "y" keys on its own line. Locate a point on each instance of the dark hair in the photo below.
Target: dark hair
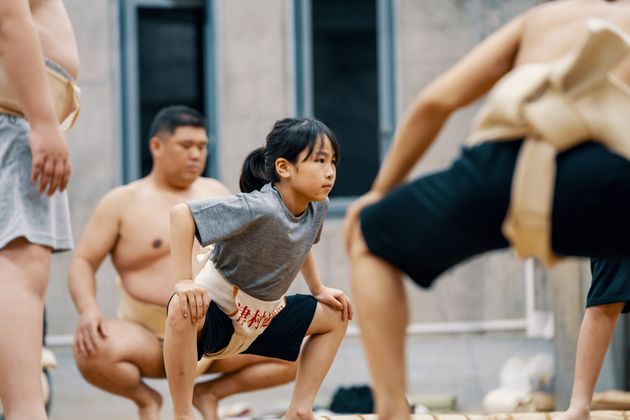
{"x": 287, "y": 139}
{"x": 168, "y": 119}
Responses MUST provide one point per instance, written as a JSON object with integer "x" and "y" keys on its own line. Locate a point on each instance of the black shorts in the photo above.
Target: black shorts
{"x": 611, "y": 282}
{"x": 281, "y": 339}
{"x": 439, "y": 220}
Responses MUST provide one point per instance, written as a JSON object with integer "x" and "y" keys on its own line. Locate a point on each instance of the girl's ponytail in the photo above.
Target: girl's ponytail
{"x": 253, "y": 171}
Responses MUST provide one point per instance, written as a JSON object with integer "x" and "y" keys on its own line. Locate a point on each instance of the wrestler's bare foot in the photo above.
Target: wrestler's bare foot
{"x": 206, "y": 401}
{"x": 575, "y": 414}
{"x": 149, "y": 408}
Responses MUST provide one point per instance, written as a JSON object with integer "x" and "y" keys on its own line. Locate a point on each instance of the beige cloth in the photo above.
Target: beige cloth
{"x": 150, "y": 316}
{"x": 250, "y": 316}
{"x": 555, "y": 106}
{"x": 65, "y": 94}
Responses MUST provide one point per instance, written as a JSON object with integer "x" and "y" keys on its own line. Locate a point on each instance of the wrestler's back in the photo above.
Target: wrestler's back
{"x": 550, "y": 29}
{"x": 56, "y": 34}
{"x": 141, "y": 254}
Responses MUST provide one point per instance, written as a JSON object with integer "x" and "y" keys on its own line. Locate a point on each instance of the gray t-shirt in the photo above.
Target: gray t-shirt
{"x": 259, "y": 245}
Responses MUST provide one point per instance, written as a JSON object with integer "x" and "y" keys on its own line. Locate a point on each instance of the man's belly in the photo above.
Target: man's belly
{"x": 150, "y": 285}
{"x": 56, "y": 35}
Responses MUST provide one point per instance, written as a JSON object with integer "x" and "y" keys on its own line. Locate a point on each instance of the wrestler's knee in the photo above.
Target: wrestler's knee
{"x": 93, "y": 366}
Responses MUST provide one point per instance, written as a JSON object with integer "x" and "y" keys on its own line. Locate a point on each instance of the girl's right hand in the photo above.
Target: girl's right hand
{"x": 194, "y": 299}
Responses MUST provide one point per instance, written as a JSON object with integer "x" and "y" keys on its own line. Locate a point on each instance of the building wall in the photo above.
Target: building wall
{"x": 94, "y": 146}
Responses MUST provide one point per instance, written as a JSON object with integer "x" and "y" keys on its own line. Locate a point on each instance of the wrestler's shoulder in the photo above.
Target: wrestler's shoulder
{"x": 123, "y": 195}
{"x": 210, "y": 187}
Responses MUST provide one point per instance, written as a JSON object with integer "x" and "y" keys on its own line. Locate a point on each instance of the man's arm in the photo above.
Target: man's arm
{"x": 23, "y": 61}
{"x": 97, "y": 241}
{"x": 334, "y": 298}
{"x": 468, "y": 80}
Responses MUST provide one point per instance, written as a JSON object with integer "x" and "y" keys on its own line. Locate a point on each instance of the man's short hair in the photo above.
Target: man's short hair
{"x": 168, "y": 119}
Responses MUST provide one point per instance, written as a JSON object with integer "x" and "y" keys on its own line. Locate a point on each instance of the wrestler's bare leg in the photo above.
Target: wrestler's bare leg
{"x": 240, "y": 373}
{"x": 25, "y": 269}
{"x": 595, "y": 334}
{"x": 382, "y": 312}
{"x": 317, "y": 354}
{"x": 180, "y": 358}
{"x": 129, "y": 353}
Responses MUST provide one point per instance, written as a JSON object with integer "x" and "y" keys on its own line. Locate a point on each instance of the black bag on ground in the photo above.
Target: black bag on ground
{"x": 352, "y": 400}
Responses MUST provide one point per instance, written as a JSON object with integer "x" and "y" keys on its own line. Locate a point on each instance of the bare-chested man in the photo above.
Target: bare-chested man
{"x": 38, "y": 61}
{"x": 548, "y": 173}
{"x": 131, "y": 223}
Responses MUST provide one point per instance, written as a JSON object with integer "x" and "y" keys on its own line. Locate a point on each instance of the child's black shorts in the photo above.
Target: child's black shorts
{"x": 281, "y": 339}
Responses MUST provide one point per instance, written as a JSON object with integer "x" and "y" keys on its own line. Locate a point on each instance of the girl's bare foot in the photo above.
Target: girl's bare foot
{"x": 206, "y": 401}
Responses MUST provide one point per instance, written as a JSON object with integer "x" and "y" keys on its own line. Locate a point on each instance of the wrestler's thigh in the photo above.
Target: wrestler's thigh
{"x": 26, "y": 260}
{"x": 128, "y": 342}
{"x": 591, "y": 207}
{"x": 436, "y": 221}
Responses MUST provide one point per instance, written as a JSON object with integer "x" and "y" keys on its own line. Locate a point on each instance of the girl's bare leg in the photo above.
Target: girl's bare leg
{"x": 180, "y": 358}
{"x": 318, "y": 352}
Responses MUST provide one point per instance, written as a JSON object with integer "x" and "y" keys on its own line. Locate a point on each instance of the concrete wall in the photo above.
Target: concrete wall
{"x": 94, "y": 144}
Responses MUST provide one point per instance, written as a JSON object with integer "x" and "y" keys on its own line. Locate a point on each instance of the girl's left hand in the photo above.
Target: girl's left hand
{"x": 336, "y": 299}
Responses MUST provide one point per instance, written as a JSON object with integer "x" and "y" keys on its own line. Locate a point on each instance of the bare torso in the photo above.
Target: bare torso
{"x": 550, "y": 30}
{"x": 141, "y": 252}
{"x": 56, "y": 34}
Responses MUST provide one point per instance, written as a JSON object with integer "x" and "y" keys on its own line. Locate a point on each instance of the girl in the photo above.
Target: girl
{"x": 261, "y": 238}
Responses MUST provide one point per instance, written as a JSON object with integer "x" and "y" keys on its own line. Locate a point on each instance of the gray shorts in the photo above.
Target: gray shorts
{"x": 24, "y": 212}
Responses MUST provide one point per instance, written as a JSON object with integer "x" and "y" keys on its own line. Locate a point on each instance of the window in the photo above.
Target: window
{"x": 167, "y": 60}
{"x": 344, "y": 76}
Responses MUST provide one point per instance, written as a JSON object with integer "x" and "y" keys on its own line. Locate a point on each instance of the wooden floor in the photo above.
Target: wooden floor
{"x": 595, "y": 415}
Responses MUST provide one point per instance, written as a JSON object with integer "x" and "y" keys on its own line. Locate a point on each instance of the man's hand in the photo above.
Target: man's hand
{"x": 352, "y": 214}
{"x": 336, "y": 299}
{"x": 51, "y": 158}
{"x": 92, "y": 328}
{"x": 194, "y": 299}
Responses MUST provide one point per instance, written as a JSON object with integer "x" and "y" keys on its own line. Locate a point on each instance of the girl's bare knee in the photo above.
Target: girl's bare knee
{"x": 327, "y": 319}
{"x": 175, "y": 320}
